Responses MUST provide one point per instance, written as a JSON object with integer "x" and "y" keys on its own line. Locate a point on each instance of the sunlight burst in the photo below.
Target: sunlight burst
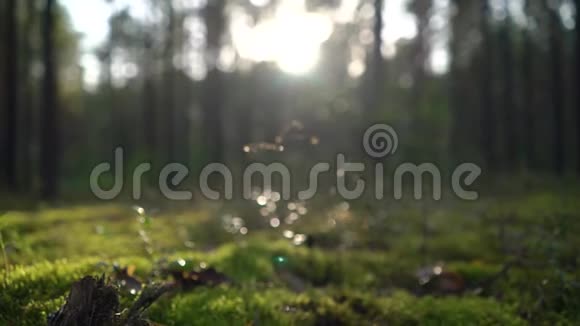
{"x": 291, "y": 39}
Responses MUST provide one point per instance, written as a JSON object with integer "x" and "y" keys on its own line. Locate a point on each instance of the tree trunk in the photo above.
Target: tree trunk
{"x": 212, "y": 106}
{"x": 10, "y": 154}
{"x": 169, "y": 85}
{"x": 28, "y": 99}
{"x": 50, "y": 152}
{"x": 2, "y": 95}
{"x": 488, "y": 130}
{"x": 577, "y": 2}
{"x": 509, "y": 103}
{"x": 115, "y": 139}
{"x": 528, "y": 96}
{"x": 374, "y": 76}
{"x": 457, "y": 135}
{"x": 213, "y": 87}
{"x": 118, "y": 125}
{"x": 557, "y": 89}
{"x": 422, "y": 9}
{"x": 377, "y": 67}
{"x": 149, "y": 107}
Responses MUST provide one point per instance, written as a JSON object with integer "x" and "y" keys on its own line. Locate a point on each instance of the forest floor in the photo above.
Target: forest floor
{"x": 508, "y": 261}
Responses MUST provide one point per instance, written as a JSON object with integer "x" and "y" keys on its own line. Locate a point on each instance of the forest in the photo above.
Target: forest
{"x": 285, "y": 162}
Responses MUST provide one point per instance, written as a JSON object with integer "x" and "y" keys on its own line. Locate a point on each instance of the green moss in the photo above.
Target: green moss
{"x": 477, "y": 272}
{"x": 229, "y": 306}
{"x": 363, "y": 282}
{"x": 27, "y": 292}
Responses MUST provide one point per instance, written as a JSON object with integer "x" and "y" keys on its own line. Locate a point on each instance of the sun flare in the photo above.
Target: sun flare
{"x": 291, "y": 39}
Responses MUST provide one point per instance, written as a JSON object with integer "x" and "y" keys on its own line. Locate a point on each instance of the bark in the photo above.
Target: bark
{"x": 90, "y": 302}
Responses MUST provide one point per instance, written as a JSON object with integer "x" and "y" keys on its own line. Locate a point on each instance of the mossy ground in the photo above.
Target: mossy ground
{"x": 358, "y": 268}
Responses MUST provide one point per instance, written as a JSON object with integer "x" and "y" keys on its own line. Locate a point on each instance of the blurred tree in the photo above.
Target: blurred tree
{"x": 557, "y": 88}
{"x": 375, "y": 71}
{"x": 528, "y": 77}
{"x": 50, "y": 151}
{"x": 169, "y": 82}
{"x": 115, "y": 41}
{"x": 149, "y": 84}
{"x": 509, "y": 101}
{"x": 139, "y": 43}
{"x": 105, "y": 55}
{"x": 27, "y": 126}
{"x": 10, "y": 153}
{"x": 487, "y": 72}
{"x": 131, "y": 44}
{"x": 577, "y": 54}
{"x": 422, "y": 48}
{"x": 462, "y": 88}
{"x": 213, "y": 86}
{"x": 2, "y": 95}
{"x": 149, "y": 96}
